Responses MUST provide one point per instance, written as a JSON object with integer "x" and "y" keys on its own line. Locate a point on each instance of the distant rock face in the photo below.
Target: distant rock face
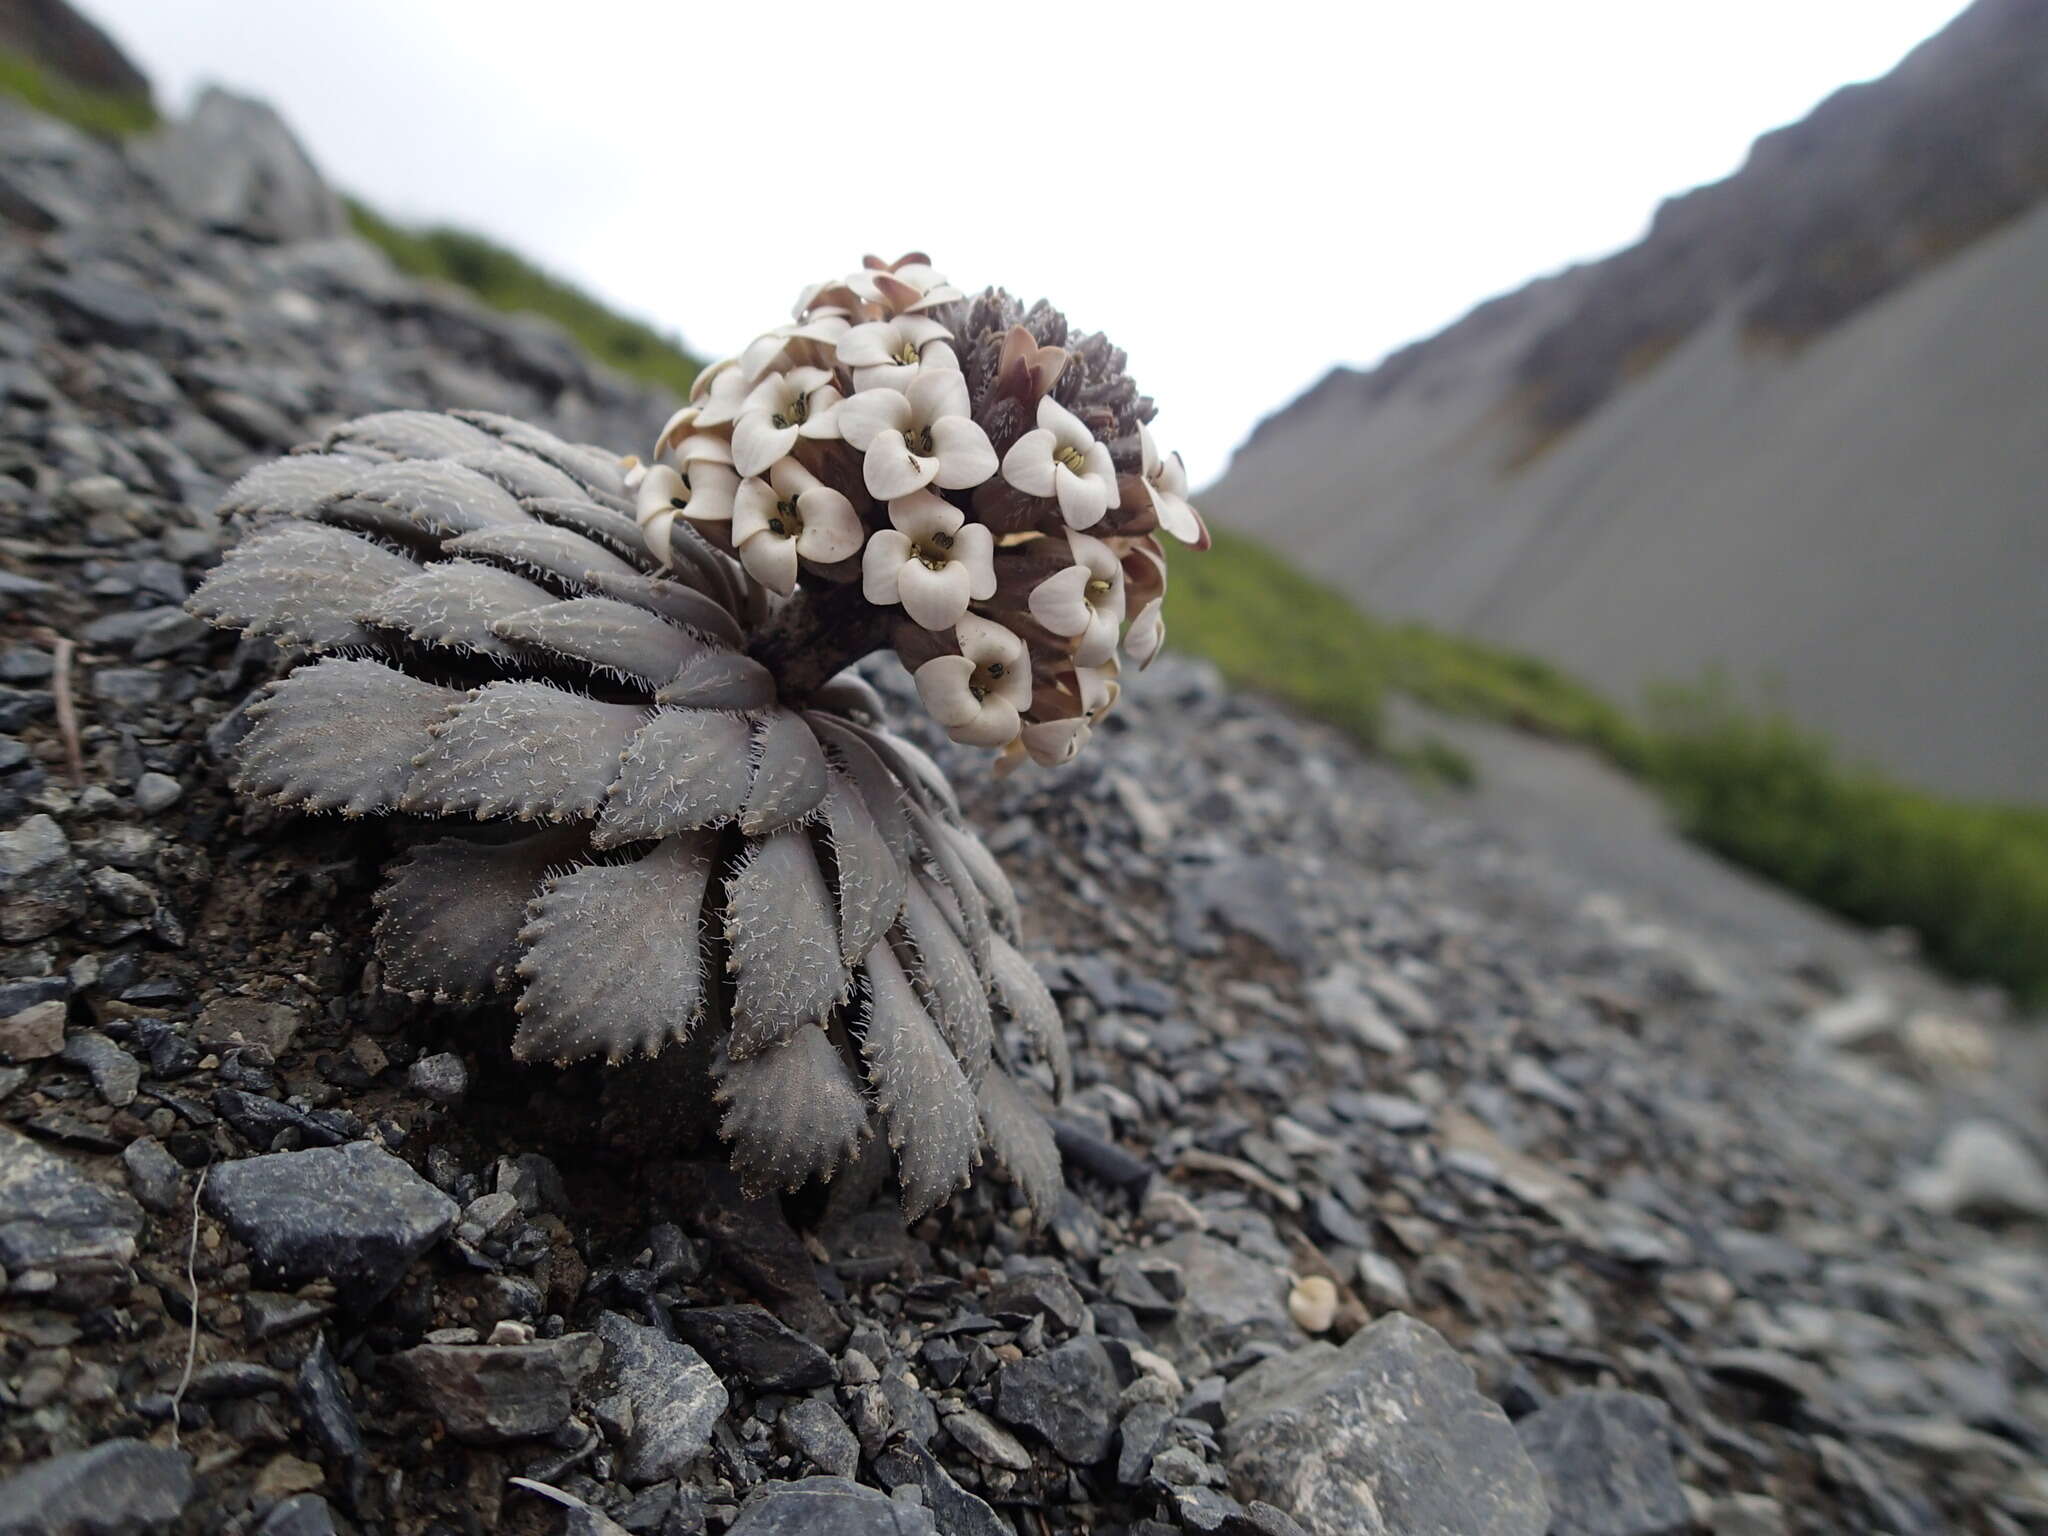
{"x": 69, "y": 46}
{"x": 1793, "y": 433}
{"x": 234, "y": 166}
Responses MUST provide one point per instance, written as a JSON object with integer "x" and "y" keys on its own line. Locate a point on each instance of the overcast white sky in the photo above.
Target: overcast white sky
{"x": 1242, "y": 196}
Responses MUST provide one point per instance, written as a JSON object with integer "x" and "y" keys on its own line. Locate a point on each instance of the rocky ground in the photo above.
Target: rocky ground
{"x": 1413, "y": 1185}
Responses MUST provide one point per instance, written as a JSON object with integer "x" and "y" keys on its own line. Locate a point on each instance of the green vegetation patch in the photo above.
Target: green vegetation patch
{"x": 506, "y": 280}
{"x": 103, "y": 114}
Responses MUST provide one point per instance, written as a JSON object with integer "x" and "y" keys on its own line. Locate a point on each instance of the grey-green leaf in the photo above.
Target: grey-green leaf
{"x": 604, "y": 633}
{"x": 793, "y": 1112}
{"x": 1022, "y": 1143}
{"x": 871, "y": 880}
{"x": 675, "y": 602}
{"x": 453, "y": 603}
{"x": 339, "y": 736}
{"x": 600, "y": 524}
{"x": 878, "y": 787}
{"x": 411, "y": 435}
{"x": 926, "y": 1103}
{"x": 301, "y": 584}
{"x": 614, "y": 960}
{"x": 523, "y": 749}
{"x": 947, "y": 981}
{"x": 448, "y": 918}
{"x": 783, "y": 945}
{"x": 988, "y": 878}
{"x": 720, "y": 680}
{"x": 552, "y": 554}
{"x": 789, "y": 774}
{"x": 594, "y": 471}
{"x": 1029, "y": 1003}
{"x": 435, "y": 497}
{"x": 525, "y": 476}
{"x": 298, "y": 485}
{"x": 968, "y": 907}
{"x": 685, "y": 768}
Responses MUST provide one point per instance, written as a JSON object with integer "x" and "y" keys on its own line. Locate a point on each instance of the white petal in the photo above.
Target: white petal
{"x": 870, "y": 345}
{"x": 771, "y": 561}
{"x": 1148, "y": 452}
{"x": 673, "y": 429}
{"x": 1060, "y": 421}
{"x": 1176, "y": 515}
{"x": 1173, "y": 475}
{"x": 937, "y": 354}
{"x": 938, "y": 392}
{"x": 791, "y": 479}
{"x": 1098, "y": 641}
{"x": 975, "y": 547}
{"x": 1100, "y": 559}
{"x": 924, "y": 515}
{"x": 712, "y": 489}
{"x": 943, "y": 686}
{"x": 984, "y": 640}
{"x": 880, "y": 564}
{"x": 1060, "y": 602}
{"x": 1084, "y": 500}
{"x": 890, "y": 469}
{"x": 654, "y": 534}
{"x": 823, "y": 419}
{"x": 935, "y": 599}
{"x": 994, "y": 724}
{"x": 1053, "y": 742}
{"x": 832, "y": 529}
{"x": 752, "y": 505}
{"x": 703, "y": 448}
{"x": 1146, "y": 634}
{"x": 758, "y": 443}
{"x": 771, "y": 394}
{"x": 1029, "y": 464}
{"x": 896, "y": 376}
{"x": 865, "y": 415}
{"x": 1102, "y": 467}
{"x": 662, "y": 493}
{"x": 966, "y": 458}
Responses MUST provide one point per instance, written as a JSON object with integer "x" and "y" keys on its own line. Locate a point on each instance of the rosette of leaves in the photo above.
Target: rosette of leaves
{"x": 655, "y": 807}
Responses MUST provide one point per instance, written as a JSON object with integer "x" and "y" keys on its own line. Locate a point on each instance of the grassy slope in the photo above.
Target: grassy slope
{"x": 1970, "y": 879}
{"x": 103, "y": 114}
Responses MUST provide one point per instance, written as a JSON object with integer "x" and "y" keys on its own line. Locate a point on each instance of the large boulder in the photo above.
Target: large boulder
{"x": 1387, "y": 1436}
{"x": 234, "y": 166}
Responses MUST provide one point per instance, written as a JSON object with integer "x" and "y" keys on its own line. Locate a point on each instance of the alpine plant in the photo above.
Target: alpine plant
{"x": 669, "y": 813}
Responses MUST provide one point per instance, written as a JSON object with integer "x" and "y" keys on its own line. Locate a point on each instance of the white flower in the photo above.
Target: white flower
{"x": 905, "y": 286}
{"x": 1146, "y": 634}
{"x": 928, "y": 561}
{"x": 781, "y": 408}
{"x": 807, "y": 344}
{"x": 791, "y": 514}
{"x": 1084, "y": 602}
{"x": 703, "y": 462}
{"x": 1061, "y": 458}
{"x": 718, "y": 393}
{"x": 1099, "y": 690}
{"x": 1052, "y": 743}
{"x": 886, "y": 354}
{"x": 661, "y": 494}
{"x": 918, "y": 436}
{"x": 1166, "y": 481}
{"x": 979, "y": 694}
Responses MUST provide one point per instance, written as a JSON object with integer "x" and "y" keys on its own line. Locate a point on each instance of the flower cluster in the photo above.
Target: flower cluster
{"x": 983, "y": 476}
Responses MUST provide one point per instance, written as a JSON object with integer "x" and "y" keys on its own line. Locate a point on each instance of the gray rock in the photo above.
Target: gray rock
{"x": 329, "y": 1416}
{"x": 234, "y": 165}
{"x": 40, "y": 890}
{"x": 353, "y": 1214}
{"x": 1067, "y": 1397}
{"x": 752, "y": 1343}
{"x": 305, "y": 1515}
{"x": 35, "y": 1032}
{"x": 1345, "y": 1007}
{"x": 250, "y": 1021}
{"x": 675, "y": 1397}
{"x": 813, "y": 1429}
{"x": 441, "y": 1077}
{"x": 828, "y": 1506}
{"x": 1747, "y": 1514}
{"x": 985, "y": 1440}
{"x": 156, "y": 1177}
{"x": 1981, "y": 1169}
{"x": 1386, "y": 1436}
{"x": 1607, "y": 1465}
{"x": 115, "y": 1074}
{"x": 155, "y": 792}
{"x": 489, "y": 1394}
{"x": 117, "y": 1488}
{"x": 1230, "y": 1300}
{"x": 169, "y": 630}
{"x": 956, "y": 1511}
{"x": 54, "y": 1217}
{"x": 123, "y": 892}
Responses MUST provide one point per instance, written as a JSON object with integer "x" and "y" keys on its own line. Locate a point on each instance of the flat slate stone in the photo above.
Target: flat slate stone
{"x": 829, "y": 1506}
{"x": 115, "y": 1488}
{"x": 1607, "y": 1465}
{"x": 491, "y": 1394}
{"x": 676, "y": 1398}
{"x": 1386, "y": 1436}
{"x": 353, "y": 1214}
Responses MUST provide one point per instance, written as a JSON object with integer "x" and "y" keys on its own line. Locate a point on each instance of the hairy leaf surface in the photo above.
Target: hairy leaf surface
{"x": 675, "y": 602}
{"x": 925, "y": 1100}
{"x": 525, "y": 476}
{"x": 1022, "y": 1143}
{"x": 339, "y": 735}
{"x": 449, "y": 917}
{"x": 782, "y": 942}
{"x": 301, "y": 584}
{"x": 411, "y": 435}
{"x": 523, "y": 749}
{"x": 685, "y": 768}
{"x": 554, "y": 554}
{"x": 435, "y": 497}
{"x": 792, "y": 1112}
{"x": 871, "y": 880}
{"x": 720, "y": 680}
{"x": 297, "y": 486}
{"x": 453, "y": 603}
{"x": 605, "y": 633}
{"x": 614, "y": 959}
{"x": 600, "y": 524}
{"x": 946, "y": 980}
{"x": 878, "y": 788}
{"x": 789, "y": 774}
{"x": 1029, "y": 1003}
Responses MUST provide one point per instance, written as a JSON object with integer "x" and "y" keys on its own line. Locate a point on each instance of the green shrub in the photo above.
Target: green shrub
{"x": 505, "y": 280}
{"x": 1970, "y": 879}
{"x": 103, "y": 114}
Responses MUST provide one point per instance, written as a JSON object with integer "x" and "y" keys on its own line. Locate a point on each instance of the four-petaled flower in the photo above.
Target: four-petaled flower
{"x": 1085, "y": 601}
{"x": 978, "y": 695}
{"x": 1166, "y": 481}
{"x": 921, "y": 435}
{"x": 932, "y": 560}
{"x": 1061, "y": 459}
{"x": 709, "y": 481}
{"x": 886, "y": 354}
{"x": 787, "y": 515}
{"x": 803, "y": 402}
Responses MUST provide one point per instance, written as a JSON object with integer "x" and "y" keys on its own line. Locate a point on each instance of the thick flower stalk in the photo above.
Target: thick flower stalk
{"x": 664, "y": 810}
